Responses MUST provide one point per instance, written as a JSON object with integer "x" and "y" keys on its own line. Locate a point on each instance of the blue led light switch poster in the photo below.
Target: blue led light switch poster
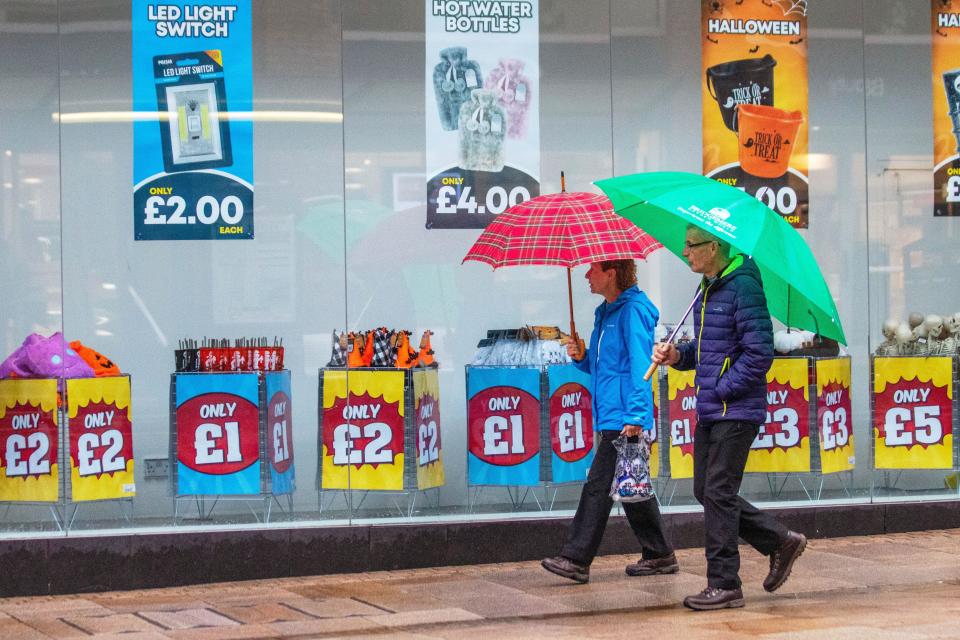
{"x": 192, "y": 130}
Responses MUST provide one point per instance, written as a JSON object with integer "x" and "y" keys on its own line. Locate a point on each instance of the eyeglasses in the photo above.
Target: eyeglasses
{"x": 694, "y": 245}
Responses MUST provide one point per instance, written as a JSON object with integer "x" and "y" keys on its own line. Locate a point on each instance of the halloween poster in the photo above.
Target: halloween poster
{"x": 945, "y": 53}
{"x": 192, "y": 130}
{"x": 482, "y": 97}
{"x": 755, "y": 97}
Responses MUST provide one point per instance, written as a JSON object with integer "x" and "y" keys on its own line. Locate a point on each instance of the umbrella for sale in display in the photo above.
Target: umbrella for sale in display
{"x": 665, "y": 204}
{"x": 563, "y": 229}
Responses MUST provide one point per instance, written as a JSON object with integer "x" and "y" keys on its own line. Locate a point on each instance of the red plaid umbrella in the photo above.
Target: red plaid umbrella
{"x": 563, "y": 229}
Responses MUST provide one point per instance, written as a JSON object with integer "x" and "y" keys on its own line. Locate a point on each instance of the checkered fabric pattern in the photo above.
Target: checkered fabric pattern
{"x": 383, "y": 355}
{"x": 564, "y": 229}
{"x": 338, "y": 356}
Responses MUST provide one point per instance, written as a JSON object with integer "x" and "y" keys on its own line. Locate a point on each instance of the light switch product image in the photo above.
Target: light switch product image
{"x": 483, "y": 125}
{"x": 515, "y": 93}
{"x": 191, "y": 97}
{"x": 194, "y": 123}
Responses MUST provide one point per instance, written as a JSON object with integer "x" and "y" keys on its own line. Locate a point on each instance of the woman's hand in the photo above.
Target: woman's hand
{"x": 631, "y": 430}
{"x": 575, "y": 348}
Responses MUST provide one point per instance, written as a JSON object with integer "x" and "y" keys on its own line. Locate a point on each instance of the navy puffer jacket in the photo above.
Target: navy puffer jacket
{"x": 732, "y": 347}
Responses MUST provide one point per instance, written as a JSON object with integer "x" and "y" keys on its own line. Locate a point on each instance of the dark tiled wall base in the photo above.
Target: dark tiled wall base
{"x": 81, "y": 564}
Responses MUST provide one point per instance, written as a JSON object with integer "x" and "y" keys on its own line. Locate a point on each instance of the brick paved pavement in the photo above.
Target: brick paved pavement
{"x": 904, "y": 586}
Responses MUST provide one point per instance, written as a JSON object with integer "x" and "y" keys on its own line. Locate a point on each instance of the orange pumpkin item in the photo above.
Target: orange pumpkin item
{"x": 102, "y": 365}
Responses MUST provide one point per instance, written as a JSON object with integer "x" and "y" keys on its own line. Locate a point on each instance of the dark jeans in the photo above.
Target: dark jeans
{"x": 586, "y": 532}
{"x": 720, "y": 452}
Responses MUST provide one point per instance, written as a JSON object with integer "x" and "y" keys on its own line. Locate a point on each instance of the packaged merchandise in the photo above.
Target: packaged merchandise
{"x": 515, "y": 94}
{"x": 453, "y": 80}
{"x": 190, "y": 91}
{"x": 45, "y": 357}
{"x": 381, "y": 348}
{"x": 483, "y": 126}
{"x": 211, "y": 355}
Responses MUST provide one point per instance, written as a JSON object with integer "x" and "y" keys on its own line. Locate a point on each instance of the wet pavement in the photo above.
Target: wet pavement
{"x": 904, "y": 586}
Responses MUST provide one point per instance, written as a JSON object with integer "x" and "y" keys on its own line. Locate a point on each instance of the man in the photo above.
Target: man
{"x": 622, "y": 405}
{"x": 731, "y": 352}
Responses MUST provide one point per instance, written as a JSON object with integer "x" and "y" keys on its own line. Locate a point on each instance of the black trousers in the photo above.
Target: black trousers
{"x": 720, "y": 452}
{"x": 586, "y": 532}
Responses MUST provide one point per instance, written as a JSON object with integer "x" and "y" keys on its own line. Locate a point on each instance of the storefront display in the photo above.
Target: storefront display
{"x": 380, "y": 430}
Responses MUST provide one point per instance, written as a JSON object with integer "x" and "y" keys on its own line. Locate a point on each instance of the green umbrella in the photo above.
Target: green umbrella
{"x": 664, "y": 204}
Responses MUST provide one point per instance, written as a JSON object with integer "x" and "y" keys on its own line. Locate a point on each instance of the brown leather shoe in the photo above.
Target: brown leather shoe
{"x": 653, "y": 566}
{"x": 713, "y": 598}
{"x": 781, "y": 561}
{"x": 567, "y": 568}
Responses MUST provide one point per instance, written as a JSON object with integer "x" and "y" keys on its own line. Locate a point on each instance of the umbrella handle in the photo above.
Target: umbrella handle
{"x": 673, "y": 335}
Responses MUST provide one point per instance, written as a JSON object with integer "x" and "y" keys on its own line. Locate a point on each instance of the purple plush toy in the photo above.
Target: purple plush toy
{"x": 40, "y": 357}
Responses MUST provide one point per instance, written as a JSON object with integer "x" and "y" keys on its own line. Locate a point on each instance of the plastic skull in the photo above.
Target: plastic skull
{"x": 890, "y": 329}
{"x": 933, "y": 324}
{"x": 920, "y": 331}
{"x": 916, "y": 319}
{"x": 953, "y": 325}
{"x": 904, "y": 334}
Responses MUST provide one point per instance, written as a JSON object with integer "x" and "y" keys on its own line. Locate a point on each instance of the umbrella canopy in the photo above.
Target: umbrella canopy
{"x": 564, "y": 229}
{"x": 664, "y": 204}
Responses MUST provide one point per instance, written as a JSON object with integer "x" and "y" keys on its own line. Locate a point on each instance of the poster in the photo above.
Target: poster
{"x": 913, "y": 413}
{"x": 193, "y": 133}
{"x": 29, "y": 441}
{"x": 755, "y": 95}
{"x": 280, "y": 432}
{"x": 217, "y": 434}
{"x": 101, "y": 438}
{"x": 945, "y": 54}
{"x": 782, "y": 444}
{"x": 834, "y": 415}
{"x": 571, "y": 423}
{"x": 362, "y": 430}
{"x": 426, "y": 399}
{"x": 503, "y": 426}
{"x": 682, "y": 414}
{"x": 482, "y": 82}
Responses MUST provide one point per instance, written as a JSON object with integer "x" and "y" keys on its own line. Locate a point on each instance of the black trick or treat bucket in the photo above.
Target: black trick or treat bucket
{"x": 951, "y": 83}
{"x": 747, "y": 81}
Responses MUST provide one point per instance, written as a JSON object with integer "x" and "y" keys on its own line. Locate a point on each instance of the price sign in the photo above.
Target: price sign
{"x": 682, "y": 415}
{"x": 913, "y": 413}
{"x": 782, "y": 444}
{"x": 571, "y": 424}
{"x": 28, "y": 441}
{"x": 503, "y": 426}
{"x": 834, "y": 413}
{"x": 101, "y": 438}
{"x": 218, "y": 434}
{"x": 197, "y": 206}
{"x": 280, "y": 432}
{"x": 496, "y": 200}
{"x": 426, "y": 394}
{"x": 363, "y": 430}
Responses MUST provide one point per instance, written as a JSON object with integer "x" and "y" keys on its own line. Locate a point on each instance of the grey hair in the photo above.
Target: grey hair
{"x": 722, "y": 246}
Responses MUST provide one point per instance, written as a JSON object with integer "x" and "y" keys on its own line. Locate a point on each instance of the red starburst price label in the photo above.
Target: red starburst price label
{"x": 101, "y": 440}
{"x": 504, "y": 426}
{"x": 28, "y": 438}
{"x": 571, "y": 422}
{"x": 365, "y": 431}
{"x": 217, "y": 433}
{"x": 683, "y": 420}
{"x": 914, "y": 414}
{"x": 788, "y": 421}
{"x": 833, "y": 412}
{"x": 428, "y": 430}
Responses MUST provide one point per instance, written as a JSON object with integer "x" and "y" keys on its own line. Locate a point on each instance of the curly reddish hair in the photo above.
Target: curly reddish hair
{"x": 626, "y": 272}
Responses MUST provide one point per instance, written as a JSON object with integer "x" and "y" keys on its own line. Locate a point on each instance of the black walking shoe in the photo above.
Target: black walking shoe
{"x": 713, "y": 598}
{"x": 567, "y": 568}
{"x": 781, "y": 560}
{"x": 653, "y": 566}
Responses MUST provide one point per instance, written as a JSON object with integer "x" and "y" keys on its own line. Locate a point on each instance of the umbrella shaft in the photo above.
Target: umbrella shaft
{"x": 673, "y": 335}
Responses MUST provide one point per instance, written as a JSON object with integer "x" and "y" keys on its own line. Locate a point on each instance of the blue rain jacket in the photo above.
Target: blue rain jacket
{"x": 618, "y": 356}
{"x": 732, "y": 347}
